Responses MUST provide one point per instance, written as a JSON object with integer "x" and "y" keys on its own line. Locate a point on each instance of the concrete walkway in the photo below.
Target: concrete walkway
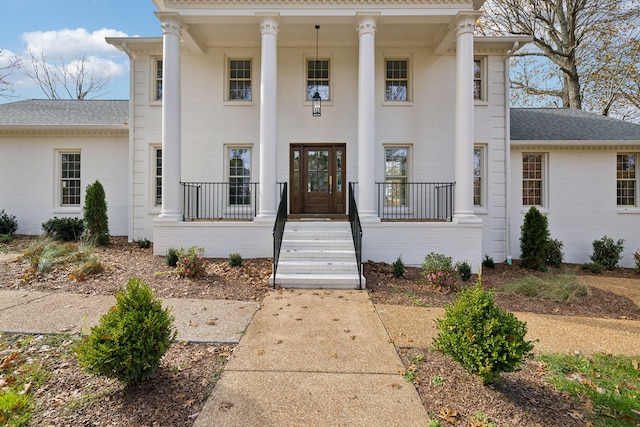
{"x": 310, "y": 357}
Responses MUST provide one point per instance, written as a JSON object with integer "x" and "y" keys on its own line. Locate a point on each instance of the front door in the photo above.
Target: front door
{"x": 317, "y": 178}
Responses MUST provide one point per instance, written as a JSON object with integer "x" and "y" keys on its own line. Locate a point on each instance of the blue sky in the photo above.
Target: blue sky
{"x": 69, "y": 29}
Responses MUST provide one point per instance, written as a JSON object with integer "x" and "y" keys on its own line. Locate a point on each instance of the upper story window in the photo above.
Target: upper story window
{"x": 318, "y": 78}
{"x": 240, "y": 79}
{"x": 626, "y": 179}
{"x": 396, "y": 175}
{"x": 396, "y": 80}
{"x": 70, "y": 179}
{"x": 157, "y": 87}
{"x": 532, "y": 179}
{"x": 479, "y": 86}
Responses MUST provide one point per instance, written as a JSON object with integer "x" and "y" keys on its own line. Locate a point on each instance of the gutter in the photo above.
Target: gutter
{"x": 507, "y": 142}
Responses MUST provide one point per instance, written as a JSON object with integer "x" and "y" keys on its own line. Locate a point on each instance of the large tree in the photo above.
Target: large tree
{"x": 582, "y": 51}
{"x": 8, "y": 63}
{"x": 76, "y": 80}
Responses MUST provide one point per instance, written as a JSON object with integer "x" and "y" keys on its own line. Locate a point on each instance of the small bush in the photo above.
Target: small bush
{"x": 607, "y": 252}
{"x": 534, "y": 240}
{"x": 438, "y": 271}
{"x": 130, "y": 339}
{"x": 485, "y": 339}
{"x": 144, "y": 243}
{"x": 6, "y": 238}
{"x": 8, "y": 223}
{"x": 87, "y": 268}
{"x": 554, "y": 287}
{"x": 594, "y": 267}
{"x": 555, "y": 255}
{"x": 235, "y": 259}
{"x": 488, "y": 262}
{"x": 464, "y": 270}
{"x": 191, "y": 263}
{"x": 64, "y": 229}
{"x": 398, "y": 267}
{"x": 171, "y": 258}
{"x": 95, "y": 214}
{"x": 636, "y": 257}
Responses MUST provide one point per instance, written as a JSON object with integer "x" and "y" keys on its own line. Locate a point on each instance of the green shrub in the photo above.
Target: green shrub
{"x": 64, "y": 229}
{"x": 95, "y": 214}
{"x": 191, "y": 263}
{"x": 6, "y": 238}
{"x": 171, "y": 258}
{"x": 555, "y": 255}
{"x": 144, "y": 243}
{"x": 438, "y": 270}
{"x": 8, "y": 223}
{"x": 636, "y": 257}
{"x": 464, "y": 270}
{"x": 485, "y": 339}
{"x": 558, "y": 287}
{"x": 594, "y": 267}
{"x": 235, "y": 259}
{"x": 534, "y": 240}
{"x": 607, "y": 252}
{"x": 398, "y": 267}
{"x": 130, "y": 339}
{"x": 488, "y": 262}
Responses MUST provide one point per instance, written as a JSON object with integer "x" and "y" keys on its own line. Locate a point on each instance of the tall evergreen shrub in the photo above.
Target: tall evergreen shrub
{"x": 95, "y": 214}
{"x": 534, "y": 240}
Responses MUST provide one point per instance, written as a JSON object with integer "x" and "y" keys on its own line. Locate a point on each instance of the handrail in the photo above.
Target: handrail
{"x": 278, "y": 228}
{"x": 356, "y": 230}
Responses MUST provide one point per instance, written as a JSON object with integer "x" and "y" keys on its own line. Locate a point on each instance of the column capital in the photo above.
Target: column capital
{"x": 466, "y": 22}
{"x": 269, "y": 23}
{"x": 366, "y": 22}
{"x": 171, "y": 22}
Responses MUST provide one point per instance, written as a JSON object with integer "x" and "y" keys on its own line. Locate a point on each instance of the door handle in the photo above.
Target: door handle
{"x": 330, "y": 184}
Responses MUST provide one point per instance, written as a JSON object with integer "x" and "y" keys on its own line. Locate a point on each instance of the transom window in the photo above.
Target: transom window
{"x": 239, "y": 175}
{"x": 396, "y": 175}
{"x": 70, "y": 179}
{"x": 396, "y": 80}
{"x": 158, "y": 177}
{"x": 626, "y": 179}
{"x": 532, "y": 179}
{"x": 158, "y": 81}
{"x": 240, "y": 79}
{"x": 318, "y": 78}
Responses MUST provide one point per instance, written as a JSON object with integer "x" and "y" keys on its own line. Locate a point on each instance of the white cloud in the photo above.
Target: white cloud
{"x": 72, "y": 43}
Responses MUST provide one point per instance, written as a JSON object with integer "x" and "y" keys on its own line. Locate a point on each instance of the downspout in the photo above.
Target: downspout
{"x": 507, "y": 142}
{"x": 130, "y": 237}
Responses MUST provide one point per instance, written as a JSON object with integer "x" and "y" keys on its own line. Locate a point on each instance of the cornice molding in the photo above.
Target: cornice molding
{"x": 575, "y": 146}
{"x": 68, "y": 132}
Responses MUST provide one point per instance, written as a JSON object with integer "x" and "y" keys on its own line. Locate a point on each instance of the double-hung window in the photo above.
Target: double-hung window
{"x": 240, "y": 80}
{"x": 396, "y": 176}
{"x": 626, "y": 179}
{"x": 239, "y": 175}
{"x": 396, "y": 80}
{"x": 478, "y": 176}
{"x": 157, "y": 88}
{"x": 532, "y": 179}
{"x": 70, "y": 179}
{"x": 479, "y": 86}
{"x": 318, "y": 79}
{"x": 157, "y": 176}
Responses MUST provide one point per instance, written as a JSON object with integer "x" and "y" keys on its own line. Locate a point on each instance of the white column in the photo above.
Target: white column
{"x": 268, "y": 116}
{"x": 464, "y": 128}
{"x": 366, "y": 27}
{"x": 171, "y": 117}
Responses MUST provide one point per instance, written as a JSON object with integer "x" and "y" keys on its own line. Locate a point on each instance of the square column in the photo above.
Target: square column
{"x": 268, "y": 116}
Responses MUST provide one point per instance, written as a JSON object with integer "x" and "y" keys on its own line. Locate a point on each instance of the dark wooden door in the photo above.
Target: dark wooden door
{"x": 317, "y": 178}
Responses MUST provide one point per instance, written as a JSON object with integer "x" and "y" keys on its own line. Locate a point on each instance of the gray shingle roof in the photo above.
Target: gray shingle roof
{"x": 45, "y": 112}
{"x": 549, "y": 124}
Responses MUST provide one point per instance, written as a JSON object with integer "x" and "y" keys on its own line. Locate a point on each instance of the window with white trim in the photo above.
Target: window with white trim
{"x": 626, "y": 179}
{"x": 318, "y": 79}
{"x": 239, "y": 171}
{"x": 396, "y": 80}
{"x": 532, "y": 179}
{"x": 157, "y": 176}
{"x": 479, "y": 175}
{"x": 240, "y": 80}
{"x": 70, "y": 185}
{"x": 479, "y": 84}
{"x": 396, "y": 175}
{"x": 157, "y": 80}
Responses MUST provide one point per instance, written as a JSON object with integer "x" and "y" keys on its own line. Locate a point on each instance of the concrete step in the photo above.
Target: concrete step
{"x": 316, "y": 266}
{"x": 318, "y": 281}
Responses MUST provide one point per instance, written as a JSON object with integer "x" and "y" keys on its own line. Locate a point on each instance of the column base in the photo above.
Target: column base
{"x": 466, "y": 218}
{"x": 169, "y": 217}
{"x": 265, "y": 217}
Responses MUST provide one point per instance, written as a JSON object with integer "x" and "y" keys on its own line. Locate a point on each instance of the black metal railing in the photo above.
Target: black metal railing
{"x": 220, "y": 200}
{"x": 278, "y": 227}
{"x": 409, "y": 201}
{"x": 356, "y": 230}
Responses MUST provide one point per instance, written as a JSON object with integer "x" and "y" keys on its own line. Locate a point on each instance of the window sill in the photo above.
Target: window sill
{"x": 480, "y": 103}
{"x": 155, "y": 103}
{"x": 543, "y": 210}
{"x": 67, "y": 210}
{"x": 397, "y": 104}
{"x": 628, "y": 210}
{"x": 238, "y": 103}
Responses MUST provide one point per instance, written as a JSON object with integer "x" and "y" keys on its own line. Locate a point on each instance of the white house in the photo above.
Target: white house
{"x": 413, "y": 116}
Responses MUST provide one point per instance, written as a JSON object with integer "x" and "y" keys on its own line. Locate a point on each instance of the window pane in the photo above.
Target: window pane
{"x": 532, "y": 179}
{"x": 396, "y": 81}
{"x": 626, "y": 172}
{"x": 70, "y": 179}
{"x": 239, "y": 176}
{"x": 318, "y": 78}
{"x": 158, "y": 177}
{"x": 477, "y": 177}
{"x": 240, "y": 80}
{"x": 158, "y": 94}
{"x": 396, "y": 176}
